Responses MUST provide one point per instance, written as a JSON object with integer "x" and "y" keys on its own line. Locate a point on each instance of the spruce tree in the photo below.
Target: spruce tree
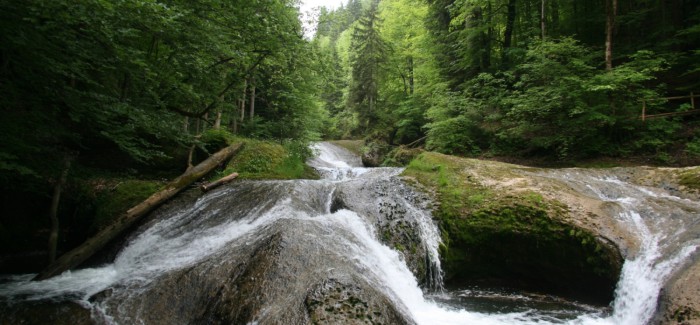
{"x": 370, "y": 53}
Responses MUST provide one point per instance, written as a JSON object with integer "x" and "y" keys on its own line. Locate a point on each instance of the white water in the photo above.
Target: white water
{"x": 638, "y": 289}
{"x": 159, "y": 249}
{"x": 392, "y": 274}
{"x": 663, "y": 223}
{"x": 165, "y": 247}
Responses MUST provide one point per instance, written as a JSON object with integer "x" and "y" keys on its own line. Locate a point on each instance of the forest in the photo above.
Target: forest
{"x": 96, "y": 90}
{"x": 560, "y": 80}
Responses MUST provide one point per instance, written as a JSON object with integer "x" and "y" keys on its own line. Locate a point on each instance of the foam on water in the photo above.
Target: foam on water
{"x": 190, "y": 235}
{"x": 157, "y": 250}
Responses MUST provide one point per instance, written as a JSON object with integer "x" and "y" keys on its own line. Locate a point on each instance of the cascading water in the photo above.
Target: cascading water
{"x": 274, "y": 251}
{"x": 665, "y": 225}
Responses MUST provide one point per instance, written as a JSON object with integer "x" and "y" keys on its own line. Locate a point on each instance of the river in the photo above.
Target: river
{"x": 268, "y": 252}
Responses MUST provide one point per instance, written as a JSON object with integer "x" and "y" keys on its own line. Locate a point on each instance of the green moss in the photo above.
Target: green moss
{"x": 516, "y": 236}
{"x": 354, "y": 146}
{"x": 214, "y": 140}
{"x": 685, "y": 314}
{"x": 401, "y": 156}
{"x": 690, "y": 178}
{"x": 115, "y": 201}
{"x": 269, "y": 160}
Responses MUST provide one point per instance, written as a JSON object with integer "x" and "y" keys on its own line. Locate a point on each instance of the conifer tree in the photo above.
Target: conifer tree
{"x": 367, "y": 62}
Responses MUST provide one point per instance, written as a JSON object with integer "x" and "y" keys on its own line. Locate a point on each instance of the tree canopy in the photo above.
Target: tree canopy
{"x": 134, "y": 86}
{"x": 143, "y": 76}
{"x": 558, "y": 79}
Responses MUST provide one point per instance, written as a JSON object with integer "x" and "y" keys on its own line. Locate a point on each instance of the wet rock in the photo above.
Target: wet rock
{"x": 679, "y": 302}
{"x": 392, "y": 205}
{"x": 45, "y": 312}
{"x": 274, "y": 277}
{"x": 374, "y": 153}
{"x": 334, "y": 302}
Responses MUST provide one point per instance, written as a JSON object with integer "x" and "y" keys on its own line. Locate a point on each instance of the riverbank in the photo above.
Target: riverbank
{"x": 516, "y": 226}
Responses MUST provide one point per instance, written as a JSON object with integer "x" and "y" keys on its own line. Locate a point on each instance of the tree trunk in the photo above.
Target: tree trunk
{"x": 508, "y": 34}
{"x": 486, "y": 60}
{"x": 224, "y": 180}
{"x": 543, "y": 19}
{"x": 242, "y": 106}
{"x": 205, "y": 121}
{"x": 610, "y": 13}
{"x": 190, "y": 156}
{"x": 217, "y": 121}
{"x": 411, "y": 76}
{"x": 554, "y": 21}
{"x": 405, "y": 83}
{"x": 251, "y": 114}
{"x": 126, "y": 220}
{"x": 53, "y": 211}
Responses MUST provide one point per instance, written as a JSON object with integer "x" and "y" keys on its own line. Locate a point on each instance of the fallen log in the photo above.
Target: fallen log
{"x": 224, "y": 180}
{"x": 81, "y": 253}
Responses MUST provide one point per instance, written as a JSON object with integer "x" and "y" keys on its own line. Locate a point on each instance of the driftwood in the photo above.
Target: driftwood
{"x": 224, "y": 180}
{"x": 81, "y": 253}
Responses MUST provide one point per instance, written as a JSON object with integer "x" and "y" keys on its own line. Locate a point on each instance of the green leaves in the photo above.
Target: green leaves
{"x": 102, "y": 75}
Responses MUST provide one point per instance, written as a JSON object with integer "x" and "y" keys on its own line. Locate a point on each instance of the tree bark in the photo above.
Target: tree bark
{"x": 217, "y": 121}
{"x": 224, "y": 180}
{"x": 554, "y": 15}
{"x": 543, "y": 19}
{"x": 190, "y": 156}
{"x": 486, "y": 60}
{"x": 251, "y": 114}
{"x": 508, "y": 34}
{"x": 610, "y": 13}
{"x": 242, "y": 107}
{"x": 53, "y": 211}
{"x": 411, "y": 76}
{"x": 126, "y": 220}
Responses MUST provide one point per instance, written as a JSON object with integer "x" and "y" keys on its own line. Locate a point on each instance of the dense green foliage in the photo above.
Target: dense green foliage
{"x": 126, "y": 88}
{"x": 137, "y": 88}
{"x": 143, "y": 76}
{"x": 518, "y": 77}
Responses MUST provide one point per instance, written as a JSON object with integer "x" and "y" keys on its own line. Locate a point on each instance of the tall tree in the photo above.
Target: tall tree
{"x": 368, "y": 57}
{"x": 508, "y": 32}
{"x": 610, "y": 15}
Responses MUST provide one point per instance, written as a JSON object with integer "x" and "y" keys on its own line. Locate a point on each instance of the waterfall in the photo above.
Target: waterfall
{"x": 288, "y": 237}
{"x": 665, "y": 225}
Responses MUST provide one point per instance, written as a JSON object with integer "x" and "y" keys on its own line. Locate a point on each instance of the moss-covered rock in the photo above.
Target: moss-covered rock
{"x": 690, "y": 179}
{"x": 269, "y": 160}
{"x": 354, "y": 146}
{"x": 374, "y": 153}
{"x": 401, "y": 156}
{"x": 512, "y": 235}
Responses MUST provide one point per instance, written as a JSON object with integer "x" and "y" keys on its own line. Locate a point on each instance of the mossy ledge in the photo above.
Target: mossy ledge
{"x": 511, "y": 236}
{"x": 270, "y": 160}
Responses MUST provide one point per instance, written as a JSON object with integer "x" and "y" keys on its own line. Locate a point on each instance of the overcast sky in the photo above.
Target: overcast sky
{"x": 307, "y": 7}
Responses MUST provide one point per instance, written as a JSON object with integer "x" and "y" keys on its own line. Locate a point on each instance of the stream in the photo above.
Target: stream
{"x": 301, "y": 251}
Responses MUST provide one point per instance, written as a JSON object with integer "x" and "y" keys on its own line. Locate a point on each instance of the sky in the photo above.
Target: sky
{"x": 307, "y": 7}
